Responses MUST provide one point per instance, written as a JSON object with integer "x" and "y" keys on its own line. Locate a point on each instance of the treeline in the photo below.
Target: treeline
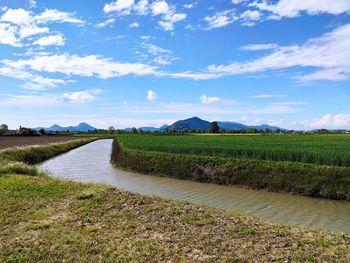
{"x": 222, "y": 131}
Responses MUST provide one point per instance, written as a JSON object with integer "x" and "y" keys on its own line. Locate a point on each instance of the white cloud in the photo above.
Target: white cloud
{"x": 330, "y": 121}
{"x": 17, "y": 16}
{"x": 293, "y": 8}
{"x": 221, "y": 19}
{"x": 32, "y": 101}
{"x": 236, "y": 2}
{"x": 142, "y": 7}
{"x": 168, "y": 13}
{"x": 24, "y": 17}
{"x": 249, "y": 17}
{"x": 40, "y": 83}
{"x": 151, "y": 95}
{"x": 190, "y": 5}
{"x": 161, "y": 56}
{"x": 105, "y": 23}
{"x": 125, "y": 7}
{"x": 161, "y": 8}
{"x": 8, "y": 35}
{"x": 56, "y": 16}
{"x": 119, "y": 5}
{"x": 278, "y": 108}
{"x": 14, "y": 73}
{"x": 257, "y": 47}
{"x": 155, "y": 50}
{"x": 267, "y": 96}
{"x": 32, "y": 3}
{"x": 145, "y": 38}
{"x": 47, "y": 100}
{"x": 24, "y": 24}
{"x": 328, "y": 54}
{"x": 87, "y": 66}
{"x": 32, "y": 81}
{"x": 209, "y": 100}
{"x": 53, "y": 40}
{"x": 134, "y": 25}
{"x": 80, "y": 96}
{"x": 27, "y": 31}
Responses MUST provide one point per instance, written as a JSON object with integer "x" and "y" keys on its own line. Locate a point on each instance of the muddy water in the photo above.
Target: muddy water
{"x": 90, "y": 163}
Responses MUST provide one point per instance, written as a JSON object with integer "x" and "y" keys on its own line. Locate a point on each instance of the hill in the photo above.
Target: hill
{"x": 81, "y": 127}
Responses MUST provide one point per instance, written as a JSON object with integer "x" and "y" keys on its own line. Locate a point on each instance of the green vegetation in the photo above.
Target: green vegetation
{"x": 327, "y": 150}
{"x": 3, "y": 129}
{"x": 208, "y": 159}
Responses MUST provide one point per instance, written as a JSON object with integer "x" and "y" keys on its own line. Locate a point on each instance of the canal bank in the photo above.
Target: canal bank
{"x": 91, "y": 164}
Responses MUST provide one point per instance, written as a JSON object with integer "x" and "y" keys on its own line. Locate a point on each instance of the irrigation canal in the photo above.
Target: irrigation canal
{"x": 91, "y": 163}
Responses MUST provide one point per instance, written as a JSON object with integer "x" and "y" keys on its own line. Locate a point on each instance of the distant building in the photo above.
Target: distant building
{"x": 22, "y": 131}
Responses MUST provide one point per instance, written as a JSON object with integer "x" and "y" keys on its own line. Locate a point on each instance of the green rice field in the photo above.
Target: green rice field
{"x": 324, "y": 150}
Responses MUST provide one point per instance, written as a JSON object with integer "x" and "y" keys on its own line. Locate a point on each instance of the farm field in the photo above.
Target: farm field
{"x": 324, "y": 150}
{"x": 16, "y": 141}
{"x": 87, "y": 222}
{"x": 317, "y": 166}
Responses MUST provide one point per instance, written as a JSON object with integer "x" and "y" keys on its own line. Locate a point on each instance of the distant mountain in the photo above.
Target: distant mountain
{"x": 194, "y": 123}
{"x": 164, "y": 127}
{"x": 149, "y": 129}
{"x": 233, "y": 126}
{"x": 81, "y": 127}
{"x": 266, "y": 126}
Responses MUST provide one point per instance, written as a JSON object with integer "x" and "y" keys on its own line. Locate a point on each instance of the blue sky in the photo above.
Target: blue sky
{"x": 148, "y": 63}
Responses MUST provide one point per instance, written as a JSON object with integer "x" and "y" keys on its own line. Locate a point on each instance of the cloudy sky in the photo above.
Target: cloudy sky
{"x": 144, "y": 62}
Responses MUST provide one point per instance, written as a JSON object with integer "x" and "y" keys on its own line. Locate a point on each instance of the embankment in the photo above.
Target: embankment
{"x": 18, "y": 159}
{"x": 298, "y": 178}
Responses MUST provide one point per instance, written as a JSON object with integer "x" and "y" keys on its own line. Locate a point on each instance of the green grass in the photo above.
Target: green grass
{"x": 145, "y": 154}
{"x": 325, "y": 150}
{"x": 46, "y": 220}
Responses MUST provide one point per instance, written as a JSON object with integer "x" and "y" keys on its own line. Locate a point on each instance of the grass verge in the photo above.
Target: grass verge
{"x": 46, "y": 220}
{"x": 299, "y": 178}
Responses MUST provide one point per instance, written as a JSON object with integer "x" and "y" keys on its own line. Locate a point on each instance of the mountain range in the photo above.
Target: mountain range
{"x": 196, "y": 123}
{"x": 193, "y": 123}
{"x": 81, "y": 127}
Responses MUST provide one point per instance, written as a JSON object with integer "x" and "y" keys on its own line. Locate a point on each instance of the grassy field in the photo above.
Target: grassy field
{"x": 326, "y": 150}
{"x": 296, "y": 164}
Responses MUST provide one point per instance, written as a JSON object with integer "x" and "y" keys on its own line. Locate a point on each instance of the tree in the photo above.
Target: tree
{"x": 111, "y": 129}
{"x": 214, "y": 127}
{"x": 42, "y": 131}
{"x": 134, "y": 130}
{"x": 3, "y": 128}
